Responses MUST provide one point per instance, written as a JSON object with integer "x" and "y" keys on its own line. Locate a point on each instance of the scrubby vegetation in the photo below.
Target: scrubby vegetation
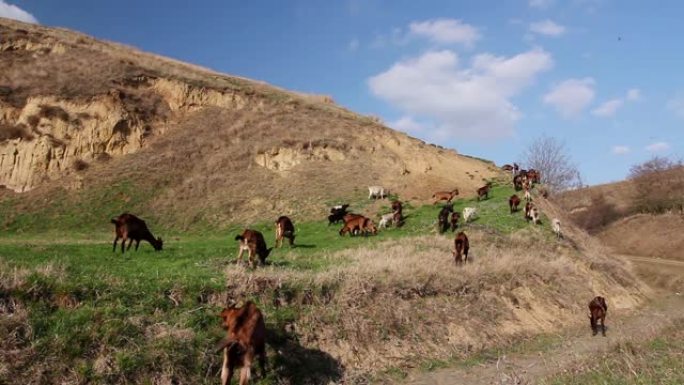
{"x": 336, "y": 307}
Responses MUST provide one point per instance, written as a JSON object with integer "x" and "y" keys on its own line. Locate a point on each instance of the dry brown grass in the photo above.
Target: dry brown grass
{"x": 400, "y": 303}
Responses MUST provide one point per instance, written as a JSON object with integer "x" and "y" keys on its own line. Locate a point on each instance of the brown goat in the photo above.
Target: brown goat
{"x": 245, "y": 340}
{"x": 284, "y": 229}
{"x": 597, "y": 311}
{"x": 444, "y": 196}
{"x": 461, "y": 247}
{"x": 397, "y": 217}
{"x": 454, "y": 220}
{"x": 130, "y": 227}
{"x": 354, "y": 223}
{"x": 253, "y": 241}
{"x": 483, "y": 191}
{"x": 513, "y": 203}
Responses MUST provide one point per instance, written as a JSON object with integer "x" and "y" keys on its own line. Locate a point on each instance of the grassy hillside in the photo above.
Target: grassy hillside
{"x": 184, "y": 146}
{"x": 341, "y": 307}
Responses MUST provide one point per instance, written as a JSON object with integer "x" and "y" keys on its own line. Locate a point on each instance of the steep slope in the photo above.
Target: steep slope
{"x": 80, "y": 117}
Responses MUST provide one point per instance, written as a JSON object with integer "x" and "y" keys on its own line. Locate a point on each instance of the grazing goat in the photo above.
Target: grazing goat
{"x": 513, "y": 203}
{"x": 534, "y": 176}
{"x": 443, "y": 217}
{"x": 518, "y": 182}
{"x": 385, "y": 220}
{"x": 556, "y": 226}
{"x": 337, "y": 213}
{"x": 528, "y": 211}
{"x": 245, "y": 340}
{"x": 461, "y": 247}
{"x": 469, "y": 213}
{"x": 444, "y": 196}
{"x": 377, "y": 192}
{"x": 535, "y": 216}
{"x": 130, "y": 227}
{"x": 253, "y": 241}
{"x": 398, "y": 217}
{"x": 284, "y": 229}
{"x": 597, "y": 311}
{"x": 528, "y": 196}
{"x": 354, "y": 223}
{"x": 483, "y": 191}
{"x": 454, "y": 220}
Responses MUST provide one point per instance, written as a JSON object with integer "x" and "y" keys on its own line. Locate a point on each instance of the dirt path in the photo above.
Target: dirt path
{"x": 577, "y": 344}
{"x": 657, "y": 261}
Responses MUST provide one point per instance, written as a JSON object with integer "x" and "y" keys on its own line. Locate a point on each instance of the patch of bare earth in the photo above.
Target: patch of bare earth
{"x": 576, "y": 347}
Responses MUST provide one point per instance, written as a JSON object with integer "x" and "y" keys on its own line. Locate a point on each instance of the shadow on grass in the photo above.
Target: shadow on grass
{"x": 296, "y": 364}
{"x": 301, "y": 246}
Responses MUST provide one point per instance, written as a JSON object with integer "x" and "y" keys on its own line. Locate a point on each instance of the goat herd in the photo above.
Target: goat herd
{"x": 245, "y": 327}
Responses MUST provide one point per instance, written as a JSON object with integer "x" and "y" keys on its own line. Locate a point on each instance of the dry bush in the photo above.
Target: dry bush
{"x": 53, "y": 112}
{"x": 659, "y": 183}
{"x": 599, "y": 214}
{"x": 80, "y": 165}
{"x": 9, "y": 131}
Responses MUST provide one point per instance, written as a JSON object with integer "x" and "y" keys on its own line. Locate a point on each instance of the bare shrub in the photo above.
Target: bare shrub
{"x": 550, "y": 157}
{"x": 80, "y": 165}
{"x": 52, "y": 112}
{"x": 659, "y": 183}
{"x": 9, "y": 131}
{"x": 599, "y": 214}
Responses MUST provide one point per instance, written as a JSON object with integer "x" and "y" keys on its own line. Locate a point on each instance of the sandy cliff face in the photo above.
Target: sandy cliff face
{"x": 52, "y": 136}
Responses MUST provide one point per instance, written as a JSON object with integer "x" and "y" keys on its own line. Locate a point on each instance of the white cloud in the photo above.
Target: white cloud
{"x": 407, "y": 124}
{"x": 541, "y": 4}
{"x": 445, "y": 31}
{"x": 460, "y": 100}
{"x": 547, "y": 28}
{"x": 13, "y": 12}
{"x": 608, "y": 109}
{"x": 633, "y": 94}
{"x": 676, "y": 105}
{"x": 571, "y": 96}
{"x": 658, "y": 147}
{"x": 620, "y": 150}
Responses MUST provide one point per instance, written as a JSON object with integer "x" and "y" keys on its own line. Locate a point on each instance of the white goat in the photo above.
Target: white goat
{"x": 535, "y": 215}
{"x": 556, "y": 226}
{"x": 469, "y": 213}
{"x": 377, "y": 192}
{"x": 386, "y": 220}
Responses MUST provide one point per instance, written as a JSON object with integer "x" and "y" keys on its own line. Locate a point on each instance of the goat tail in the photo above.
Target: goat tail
{"x": 114, "y": 221}
{"x": 239, "y": 238}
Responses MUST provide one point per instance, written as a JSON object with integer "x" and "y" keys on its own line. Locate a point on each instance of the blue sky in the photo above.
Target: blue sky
{"x": 483, "y": 77}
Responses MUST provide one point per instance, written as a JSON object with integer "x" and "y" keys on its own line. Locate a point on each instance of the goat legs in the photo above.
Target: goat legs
{"x": 226, "y": 369}
{"x": 137, "y": 243}
{"x": 116, "y": 239}
{"x": 603, "y": 326}
{"x": 123, "y": 245}
{"x": 130, "y": 243}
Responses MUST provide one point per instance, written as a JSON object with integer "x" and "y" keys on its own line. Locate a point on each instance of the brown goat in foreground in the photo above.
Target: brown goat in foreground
{"x": 130, "y": 227}
{"x": 253, "y": 241}
{"x": 284, "y": 229}
{"x": 461, "y": 247}
{"x": 597, "y": 311}
{"x": 245, "y": 339}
